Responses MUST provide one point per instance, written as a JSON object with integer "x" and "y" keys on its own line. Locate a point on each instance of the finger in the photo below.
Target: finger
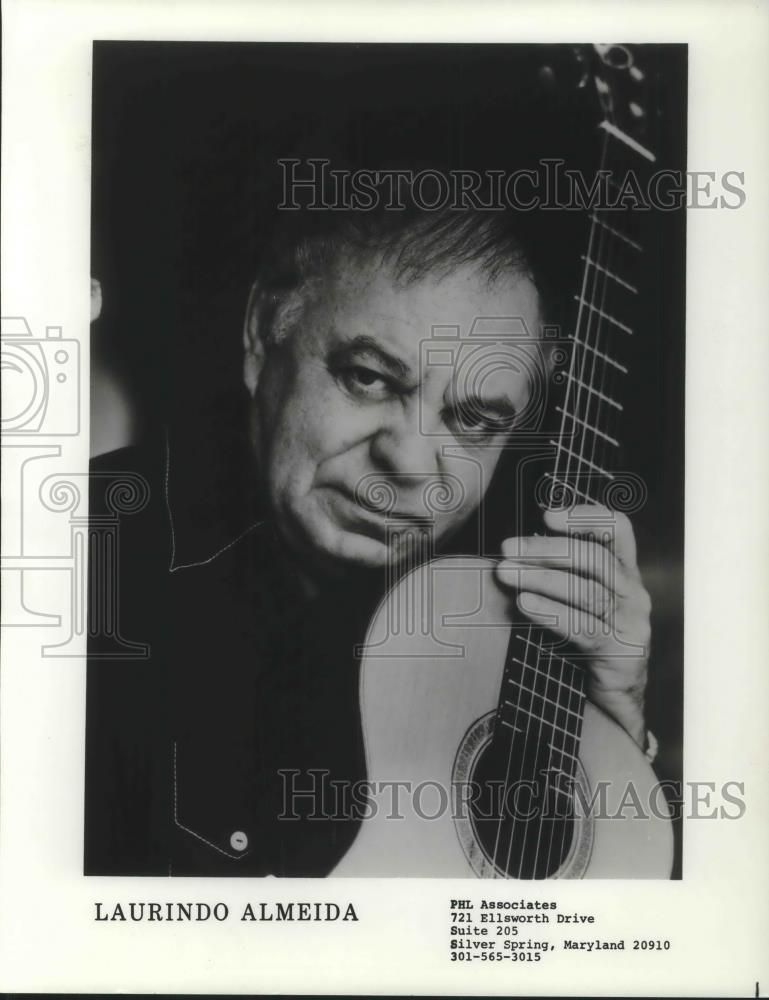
{"x": 611, "y": 528}
{"x": 581, "y": 628}
{"x": 566, "y": 588}
{"x": 567, "y": 553}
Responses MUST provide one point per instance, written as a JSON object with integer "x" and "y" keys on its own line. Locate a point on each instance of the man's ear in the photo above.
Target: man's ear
{"x": 253, "y": 340}
{"x": 96, "y": 299}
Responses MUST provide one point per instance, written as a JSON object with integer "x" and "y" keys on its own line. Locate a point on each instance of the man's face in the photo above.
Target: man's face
{"x": 365, "y": 419}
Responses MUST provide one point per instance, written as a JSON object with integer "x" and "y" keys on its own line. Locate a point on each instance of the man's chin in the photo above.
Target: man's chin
{"x": 349, "y": 552}
{"x": 355, "y": 552}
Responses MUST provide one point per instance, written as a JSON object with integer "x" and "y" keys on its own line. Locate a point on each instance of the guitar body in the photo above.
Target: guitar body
{"x": 431, "y": 674}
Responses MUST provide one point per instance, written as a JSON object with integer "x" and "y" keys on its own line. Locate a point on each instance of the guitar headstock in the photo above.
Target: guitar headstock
{"x": 613, "y": 81}
{"x": 622, "y": 86}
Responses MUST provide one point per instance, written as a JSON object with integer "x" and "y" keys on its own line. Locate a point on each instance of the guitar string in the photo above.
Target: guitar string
{"x": 524, "y": 754}
{"x": 595, "y": 326}
{"x": 555, "y": 768}
{"x": 585, "y": 300}
{"x": 539, "y": 650}
{"x": 495, "y": 863}
{"x": 594, "y": 417}
{"x": 608, "y": 378}
{"x": 507, "y": 771}
{"x": 572, "y": 382}
{"x": 580, "y": 347}
{"x": 566, "y": 766}
{"x": 599, "y": 446}
{"x": 572, "y": 775}
{"x": 550, "y": 838}
{"x": 592, "y": 322}
{"x": 530, "y": 645}
{"x": 562, "y": 797}
{"x": 600, "y": 276}
{"x": 598, "y": 454}
{"x": 543, "y": 806}
{"x": 546, "y": 770}
{"x": 599, "y": 458}
{"x": 573, "y": 772}
{"x": 537, "y": 747}
{"x": 570, "y": 731}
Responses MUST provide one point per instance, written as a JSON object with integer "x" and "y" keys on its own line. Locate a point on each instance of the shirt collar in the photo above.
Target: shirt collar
{"x": 210, "y": 485}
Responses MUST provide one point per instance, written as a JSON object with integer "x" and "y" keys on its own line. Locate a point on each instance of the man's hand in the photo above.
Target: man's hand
{"x": 583, "y": 584}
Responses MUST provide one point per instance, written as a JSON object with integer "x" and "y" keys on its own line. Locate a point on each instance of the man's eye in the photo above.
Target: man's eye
{"x": 364, "y": 382}
{"x": 474, "y": 417}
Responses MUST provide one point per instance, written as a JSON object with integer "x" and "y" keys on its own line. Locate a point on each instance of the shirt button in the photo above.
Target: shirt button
{"x": 239, "y": 841}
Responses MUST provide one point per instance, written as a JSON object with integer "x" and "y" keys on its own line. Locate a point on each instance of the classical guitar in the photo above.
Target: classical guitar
{"x": 509, "y": 771}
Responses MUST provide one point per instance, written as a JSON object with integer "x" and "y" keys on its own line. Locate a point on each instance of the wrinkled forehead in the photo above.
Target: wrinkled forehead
{"x": 435, "y": 323}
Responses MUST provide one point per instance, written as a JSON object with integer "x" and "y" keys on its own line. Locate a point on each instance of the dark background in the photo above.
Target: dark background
{"x": 185, "y": 182}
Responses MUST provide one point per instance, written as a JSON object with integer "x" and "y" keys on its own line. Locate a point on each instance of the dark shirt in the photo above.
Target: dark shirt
{"x": 247, "y": 689}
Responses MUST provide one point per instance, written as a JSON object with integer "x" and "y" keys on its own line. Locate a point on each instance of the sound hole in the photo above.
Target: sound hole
{"x": 521, "y": 809}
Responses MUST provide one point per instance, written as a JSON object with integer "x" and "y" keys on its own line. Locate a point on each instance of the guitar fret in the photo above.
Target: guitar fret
{"x": 588, "y": 426}
{"x": 533, "y": 715}
{"x": 540, "y": 675}
{"x": 597, "y": 392}
{"x": 604, "y": 315}
{"x": 550, "y": 701}
{"x": 564, "y": 753}
{"x": 531, "y": 666}
{"x": 582, "y": 459}
{"x": 600, "y": 354}
{"x": 610, "y": 274}
{"x": 567, "y": 793}
{"x": 616, "y": 232}
{"x": 629, "y": 141}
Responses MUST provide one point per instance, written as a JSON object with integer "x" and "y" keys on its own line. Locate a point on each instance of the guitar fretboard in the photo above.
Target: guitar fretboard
{"x": 588, "y": 441}
{"x": 542, "y": 700}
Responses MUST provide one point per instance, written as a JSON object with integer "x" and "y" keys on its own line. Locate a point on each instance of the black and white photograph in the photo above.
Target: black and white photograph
{"x": 388, "y": 352}
{"x": 384, "y": 489}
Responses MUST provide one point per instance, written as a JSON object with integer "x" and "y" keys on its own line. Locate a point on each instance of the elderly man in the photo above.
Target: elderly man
{"x": 251, "y": 617}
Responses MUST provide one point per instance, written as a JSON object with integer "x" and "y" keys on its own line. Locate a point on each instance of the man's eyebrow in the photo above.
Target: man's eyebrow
{"x": 363, "y": 344}
{"x": 499, "y": 400}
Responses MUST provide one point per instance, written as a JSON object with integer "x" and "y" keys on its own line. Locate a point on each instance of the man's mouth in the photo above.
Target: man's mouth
{"x": 355, "y": 511}
{"x": 381, "y": 509}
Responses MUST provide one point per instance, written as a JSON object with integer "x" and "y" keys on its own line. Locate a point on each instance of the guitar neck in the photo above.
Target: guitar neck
{"x": 588, "y": 442}
{"x": 543, "y": 694}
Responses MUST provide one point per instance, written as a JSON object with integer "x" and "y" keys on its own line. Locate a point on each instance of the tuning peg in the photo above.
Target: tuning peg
{"x": 547, "y": 78}
{"x": 582, "y": 64}
{"x": 615, "y": 56}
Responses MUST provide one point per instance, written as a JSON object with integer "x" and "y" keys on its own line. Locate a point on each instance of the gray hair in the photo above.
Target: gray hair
{"x": 412, "y": 245}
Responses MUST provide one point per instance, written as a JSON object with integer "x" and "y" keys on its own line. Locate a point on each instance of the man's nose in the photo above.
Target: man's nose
{"x": 403, "y": 446}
